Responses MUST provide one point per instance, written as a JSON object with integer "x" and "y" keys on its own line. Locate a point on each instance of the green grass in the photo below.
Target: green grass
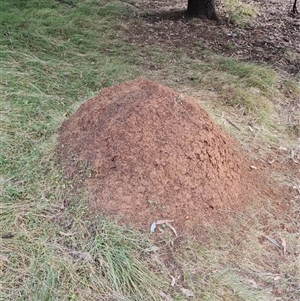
{"x": 53, "y": 57}
{"x": 254, "y": 86}
{"x": 246, "y": 86}
{"x": 238, "y": 12}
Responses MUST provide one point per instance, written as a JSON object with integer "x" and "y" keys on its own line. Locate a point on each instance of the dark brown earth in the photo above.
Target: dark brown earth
{"x": 272, "y": 37}
{"x": 148, "y": 153}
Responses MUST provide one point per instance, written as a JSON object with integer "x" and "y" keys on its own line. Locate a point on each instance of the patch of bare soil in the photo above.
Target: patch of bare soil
{"x": 273, "y": 37}
{"x": 148, "y": 153}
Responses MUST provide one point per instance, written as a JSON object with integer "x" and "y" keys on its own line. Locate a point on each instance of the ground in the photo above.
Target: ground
{"x": 149, "y": 160}
{"x": 272, "y": 38}
{"x": 148, "y": 153}
{"x": 57, "y": 56}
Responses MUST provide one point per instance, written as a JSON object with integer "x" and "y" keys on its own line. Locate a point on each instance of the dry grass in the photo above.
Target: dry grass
{"x": 54, "y": 56}
{"x": 240, "y": 263}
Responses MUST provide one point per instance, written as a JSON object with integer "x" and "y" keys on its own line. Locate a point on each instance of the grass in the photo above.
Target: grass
{"x": 54, "y": 56}
{"x": 239, "y": 263}
{"x": 238, "y": 12}
{"x": 243, "y": 85}
{"x": 52, "y": 60}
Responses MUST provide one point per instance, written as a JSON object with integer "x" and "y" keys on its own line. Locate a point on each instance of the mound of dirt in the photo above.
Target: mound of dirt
{"x": 148, "y": 153}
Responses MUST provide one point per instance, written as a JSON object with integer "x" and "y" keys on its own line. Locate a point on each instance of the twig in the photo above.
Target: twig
{"x": 234, "y": 125}
{"x": 7, "y": 235}
{"x": 273, "y": 241}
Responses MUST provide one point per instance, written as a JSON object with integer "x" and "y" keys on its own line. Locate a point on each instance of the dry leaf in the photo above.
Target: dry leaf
{"x": 173, "y": 282}
{"x": 172, "y": 228}
{"x": 187, "y": 292}
{"x": 83, "y": 255}
{"x": 273, "y": 241}
{"x": 152, "y": 249}
{"x": 164, "y": 221}
{"x": 253, "y": 283}
{"x": 67, "y": 234}
{"x": 153, "y": 227}
{"x": 62, "y": 205}
{"x": 283, "y": 243}
{"x": 283, "y": 148}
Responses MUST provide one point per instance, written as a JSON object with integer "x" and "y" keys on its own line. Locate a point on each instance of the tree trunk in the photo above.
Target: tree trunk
{"x": 294, "y": 10}
{"x": 202, "y": 8}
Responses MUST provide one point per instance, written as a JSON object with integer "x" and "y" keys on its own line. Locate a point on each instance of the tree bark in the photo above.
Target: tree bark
{"x": 202, "y": 8}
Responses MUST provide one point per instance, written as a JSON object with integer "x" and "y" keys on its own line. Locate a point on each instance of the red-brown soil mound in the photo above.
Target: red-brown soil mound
{"x": 148, "y": 153}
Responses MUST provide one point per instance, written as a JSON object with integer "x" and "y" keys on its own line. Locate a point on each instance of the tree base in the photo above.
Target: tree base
{"x": 202, "y": 8}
